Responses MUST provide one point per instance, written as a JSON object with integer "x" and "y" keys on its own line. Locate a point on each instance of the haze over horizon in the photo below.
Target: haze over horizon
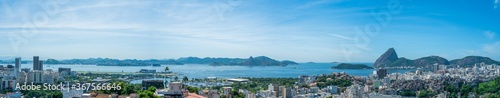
{"x": 297, "y": 30}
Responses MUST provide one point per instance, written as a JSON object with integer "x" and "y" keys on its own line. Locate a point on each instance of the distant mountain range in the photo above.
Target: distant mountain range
{"x": 391, "y": 59}
{"x": 251, "y": 61}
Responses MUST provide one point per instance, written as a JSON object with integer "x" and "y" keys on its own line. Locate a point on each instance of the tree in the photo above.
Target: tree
{"x": 185, "y": 79}
{"x": 149, "y": 93}
{"x": 426, "y": 94}
{"x": 166, "y": 69}
{"x": 192, "y": 89}
{"x": 129, "y": 88}
{"x": 152, "y": 89}
{"x": 176, "y": 78}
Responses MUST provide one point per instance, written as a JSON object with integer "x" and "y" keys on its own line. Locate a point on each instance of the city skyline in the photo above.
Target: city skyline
{"x": 302, "y": 31}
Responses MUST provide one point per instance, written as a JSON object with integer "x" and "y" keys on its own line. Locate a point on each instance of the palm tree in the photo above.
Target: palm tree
{"x": 166, "y": 69}
{"x": 185, "y": 79}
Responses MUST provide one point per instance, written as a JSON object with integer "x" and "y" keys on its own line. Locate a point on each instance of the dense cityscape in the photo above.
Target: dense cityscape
{"x": 441, "y": 81}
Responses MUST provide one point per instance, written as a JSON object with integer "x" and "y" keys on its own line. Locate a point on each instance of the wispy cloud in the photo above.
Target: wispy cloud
{"x": 492, "y": 48}
{"x": 495, "y": 4}
{"x": 489, "y": 34}
{"x": 341, "y": 36}
{"x": 301, "y": 31}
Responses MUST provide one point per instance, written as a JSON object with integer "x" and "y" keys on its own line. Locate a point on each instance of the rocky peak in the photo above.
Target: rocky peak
{"x": 388, "y": 57}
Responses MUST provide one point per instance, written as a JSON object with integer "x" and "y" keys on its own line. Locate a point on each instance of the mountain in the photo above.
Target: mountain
{"x": 257, "y": 61}
{"x": 113, "y": 62}
{"x": 400, "y": 62}
{"x": 390, "y": 59}
{"x": 351, "y": 66}
{"x": 386, "y": 58}
{"x": 471, "y": 60}
{"x": 208, "y": 60}
{"x": 430, "y": 60}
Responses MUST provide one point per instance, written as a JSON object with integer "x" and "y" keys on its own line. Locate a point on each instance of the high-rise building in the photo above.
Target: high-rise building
{"x": 18, "y": 63}
{"x": 37, "y": 64}
{"x": 40, "y": 65}
{"x": 286, "y": 92}
{"x": 36, "y": 61}
{"x": 35, "y": 76}
{"x": 435, "y": 67}
{"x": 381, "y": 73}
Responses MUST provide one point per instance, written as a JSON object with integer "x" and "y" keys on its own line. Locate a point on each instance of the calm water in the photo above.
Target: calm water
{"x": 203, "y": 71}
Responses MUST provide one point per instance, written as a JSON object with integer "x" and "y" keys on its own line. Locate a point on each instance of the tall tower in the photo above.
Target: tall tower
{"x": 17, "y": 66}
{"x": 36, "y": 62}
{"x": 18, "y": 63}
{"x": 40, "y": 65}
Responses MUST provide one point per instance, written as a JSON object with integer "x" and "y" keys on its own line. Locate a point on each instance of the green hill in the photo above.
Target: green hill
{"x": 471, "y": 60}
{"x": 351, "y": 66}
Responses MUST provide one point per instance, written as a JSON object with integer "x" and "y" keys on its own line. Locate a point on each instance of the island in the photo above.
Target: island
{"x": 351, "y": 66}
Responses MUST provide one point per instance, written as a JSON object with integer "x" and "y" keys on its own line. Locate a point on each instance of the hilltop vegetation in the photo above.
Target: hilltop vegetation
{"x": 471, "y": 60}
{"x": 351, "y": 66}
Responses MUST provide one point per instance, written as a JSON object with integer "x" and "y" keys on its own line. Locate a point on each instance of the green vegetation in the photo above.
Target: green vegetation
{"x": 338, "y": 82}
{"x": 127, "y": 89}
{"x": 407, "y": 93}
{"x": 149, "y": 93}
{"x": 341, "y": 80}
{"x": 258, "y": 84}
{"x": 42, "y": 94}
{"x": 401, "y": 62}
{"x": 192, "y": 89}
{"x": 471, "y": 60}
{"x": 420, "y": 62}
{"x": 464, "y": 89}
{"x": 236, "y": 94}
{"x": 426, "y": 94}
{"x": 351, "y": 66}
{"x": 492, "y": 88}
{"x": 51, "y": 61}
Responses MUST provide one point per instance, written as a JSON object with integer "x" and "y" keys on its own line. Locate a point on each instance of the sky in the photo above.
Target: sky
{"x": 297, "y": 30}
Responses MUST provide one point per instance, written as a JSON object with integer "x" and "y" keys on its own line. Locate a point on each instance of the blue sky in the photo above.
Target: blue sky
{"x": 299, "y": 30}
